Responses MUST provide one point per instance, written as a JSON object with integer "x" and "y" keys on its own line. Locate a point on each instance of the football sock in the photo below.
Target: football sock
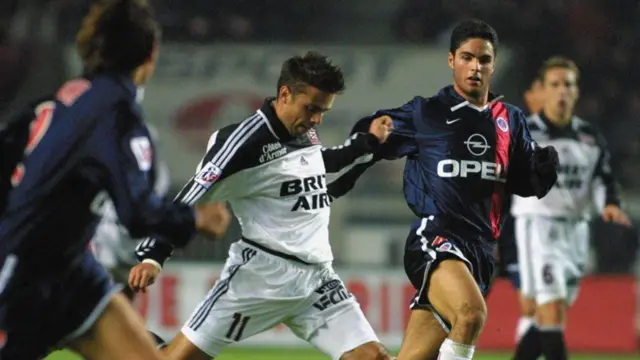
{"x": 451, "y": 350}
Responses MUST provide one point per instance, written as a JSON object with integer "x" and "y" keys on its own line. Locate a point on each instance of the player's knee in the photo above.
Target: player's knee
{"x": 470, "y": 319}
{"x": 369, "y": 351}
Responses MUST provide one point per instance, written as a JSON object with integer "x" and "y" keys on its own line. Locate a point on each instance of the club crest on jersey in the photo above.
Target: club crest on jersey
{"x": 313, "y": 137}
{"x": 502, "y": 124}
{"x": 141, "y": 148}
{"x": 444, "y": 247}
{"x": 208, "y": 175}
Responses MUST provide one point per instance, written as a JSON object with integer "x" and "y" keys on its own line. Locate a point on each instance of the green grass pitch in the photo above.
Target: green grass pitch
{"x": 311, "y": 354}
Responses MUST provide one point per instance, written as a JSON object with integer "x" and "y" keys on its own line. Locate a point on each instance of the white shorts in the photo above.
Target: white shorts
{"x": 552, "y": 254}
{"x": 258, "y": 291}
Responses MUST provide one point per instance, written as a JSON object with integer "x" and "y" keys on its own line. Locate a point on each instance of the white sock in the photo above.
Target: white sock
{"x": 524, "y": 323}
{"x": 451, "y": 350}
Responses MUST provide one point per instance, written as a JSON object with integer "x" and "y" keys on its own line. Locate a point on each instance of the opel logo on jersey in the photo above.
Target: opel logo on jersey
{"x": 477, "y": 144}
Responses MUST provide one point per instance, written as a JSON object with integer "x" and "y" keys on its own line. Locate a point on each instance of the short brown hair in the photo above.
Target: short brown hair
{"x": 312, "y": 69}
{"x": 558, "y": 62}
{"x": 117, "y": 36}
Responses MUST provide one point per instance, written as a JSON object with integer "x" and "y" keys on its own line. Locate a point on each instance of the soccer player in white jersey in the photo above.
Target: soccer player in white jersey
{"x": 271, "y": 168}
{"x": 552, "y": 233}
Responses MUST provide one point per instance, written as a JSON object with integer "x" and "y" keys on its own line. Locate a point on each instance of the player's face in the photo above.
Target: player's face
{"x": 560, "y": 88}
{"x": 304, "y": 110}
{"x": 473, "y": 64}
{"x": 534, "y": 97}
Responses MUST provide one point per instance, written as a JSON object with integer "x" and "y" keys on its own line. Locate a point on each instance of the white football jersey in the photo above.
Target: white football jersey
{"x": 275, "y": 183}
{"x": 583, "y": 160}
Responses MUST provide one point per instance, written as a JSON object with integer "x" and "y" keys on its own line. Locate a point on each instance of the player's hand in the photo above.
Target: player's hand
{"x": 213, "y": 219}
{"x": 546, "y": 159}
{"x": 142, "y": 276}
{"x": 612, "y": 213}
{"x": 381, "y": 127}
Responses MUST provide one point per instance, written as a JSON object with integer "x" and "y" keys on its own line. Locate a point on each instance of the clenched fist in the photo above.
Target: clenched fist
{"x": 381, "y": 127}
{"x": 142, "y": 276}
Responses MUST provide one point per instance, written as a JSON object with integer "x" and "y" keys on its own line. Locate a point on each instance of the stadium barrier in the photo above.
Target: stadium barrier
{"x": 602, "y": 320}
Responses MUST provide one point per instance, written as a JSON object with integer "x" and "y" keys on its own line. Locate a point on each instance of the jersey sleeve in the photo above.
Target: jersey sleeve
{"x": 222, "y": 159}
{"x": 400, "y": 143}
{"x": 523, "y": 179}
{"x": 129, "y": 165}
{"x": 604, "y": 172}
{"x": 357, "y": 149}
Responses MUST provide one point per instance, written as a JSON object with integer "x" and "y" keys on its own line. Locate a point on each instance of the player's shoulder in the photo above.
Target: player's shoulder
{"x": 514, "y": 112}
{"x": 587, "y": 132}
{"x": 251, "y": 132}
{"x": 581, "y": 125}
{"x": 535, "y": 123}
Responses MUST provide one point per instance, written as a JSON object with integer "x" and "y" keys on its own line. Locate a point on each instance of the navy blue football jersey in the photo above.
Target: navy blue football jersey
{"x": 87, "y": 138}
{"x": 462, "y": 163}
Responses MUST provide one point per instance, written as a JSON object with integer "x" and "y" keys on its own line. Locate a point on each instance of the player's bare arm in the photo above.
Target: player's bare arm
{"x": 212, "y": 219}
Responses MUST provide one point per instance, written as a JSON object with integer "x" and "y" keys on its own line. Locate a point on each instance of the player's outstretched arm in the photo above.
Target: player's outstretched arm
{"x": 359, "y": 147}
{"x": 534, "y": 170}
{"x": 399, "y": 143}
{"x": 127, "y": 154}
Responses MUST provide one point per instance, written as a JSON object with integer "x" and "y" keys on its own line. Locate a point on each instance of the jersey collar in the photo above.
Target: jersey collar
{"x": 451, "y": 98}
{"x": 551, "y": 127}
{"x": 276, "y": 125}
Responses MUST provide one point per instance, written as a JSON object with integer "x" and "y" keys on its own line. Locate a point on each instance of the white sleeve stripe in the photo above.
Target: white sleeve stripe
{"x": 359, "y": 160}
{"x": 346, "y": 143}
{"x": 194, "y": 195}
{"x": 231, "y": 145}
{"x": 237, "y": 138}
{"x": 195, "y": 187}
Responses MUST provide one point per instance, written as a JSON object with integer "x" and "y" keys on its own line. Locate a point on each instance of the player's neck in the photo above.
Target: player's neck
{"x": 277, "y": 108}
{"x": 558, "y": 118}
{"x": 479, "y": 101}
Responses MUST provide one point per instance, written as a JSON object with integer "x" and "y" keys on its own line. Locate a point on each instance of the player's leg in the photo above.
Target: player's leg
{"x": 549, "y": 262}
{"x": 527, "y": 332}
{"x": 559, "y": 274}
{"x": 423, "y": 336}
{"x": 443, "y": 274}
{"x": 455, "y": 296}
{"x": 118, "y": 333}
{"x": 333, "y": 322}
{"x": 237, "y": 307}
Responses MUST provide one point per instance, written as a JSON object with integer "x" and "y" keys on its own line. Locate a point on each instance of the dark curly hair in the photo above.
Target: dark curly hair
{"x": 117, "y": 36}
{"x": 473, "y": 29}
{"x": 312, "y": 69}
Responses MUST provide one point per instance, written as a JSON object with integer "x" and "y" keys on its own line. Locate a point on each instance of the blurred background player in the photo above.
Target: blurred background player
{"x": 552, "y": 233}
{"x": 112, "y": 245}
{"x": 466, "y": 152}
{"x": 87, "y": 138}
{"x": 271, "y": 167}
{"x": 507, "y": 250}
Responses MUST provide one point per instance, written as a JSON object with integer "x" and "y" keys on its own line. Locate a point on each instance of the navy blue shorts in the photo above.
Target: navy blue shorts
{"x": 423, "y": 254}
{"x": 39, "y": 313}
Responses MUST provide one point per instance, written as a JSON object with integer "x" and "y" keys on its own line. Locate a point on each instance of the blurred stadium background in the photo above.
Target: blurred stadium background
{"x": 220, "y": 58}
